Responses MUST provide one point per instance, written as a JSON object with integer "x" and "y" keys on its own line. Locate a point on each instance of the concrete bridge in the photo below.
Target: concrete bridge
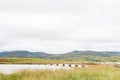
{"x": 67, "y": 65}
{"x": 61, "y": 64}
{"x": 86, "y": 64}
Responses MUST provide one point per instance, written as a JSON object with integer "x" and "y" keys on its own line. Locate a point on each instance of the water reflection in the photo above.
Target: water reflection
{"x": 10, "y": 68}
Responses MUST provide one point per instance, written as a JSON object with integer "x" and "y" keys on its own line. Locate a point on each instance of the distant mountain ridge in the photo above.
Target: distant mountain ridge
{"x": 26, "y": 54}
{"x": 102, "y": 53}
{"x": 74, "y": 55}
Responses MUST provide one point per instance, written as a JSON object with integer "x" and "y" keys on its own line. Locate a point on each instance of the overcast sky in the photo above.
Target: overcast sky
{"x": 58, "y": 26}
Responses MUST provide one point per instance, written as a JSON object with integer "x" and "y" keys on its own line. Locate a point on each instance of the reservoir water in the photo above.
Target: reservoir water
{"x": 11, "y": 68}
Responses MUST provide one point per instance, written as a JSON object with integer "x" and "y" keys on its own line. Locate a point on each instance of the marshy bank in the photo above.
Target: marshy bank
{"x": 11, "y": 68}
{"x": 98, "y": 72}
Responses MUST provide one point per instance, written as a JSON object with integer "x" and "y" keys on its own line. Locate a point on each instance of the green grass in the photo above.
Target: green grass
{"x": 16, "y": 60}
{"x": 25, "y": 60}
{"x": 92, "y": 73}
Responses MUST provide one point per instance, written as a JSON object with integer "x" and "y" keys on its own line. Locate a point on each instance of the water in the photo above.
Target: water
{"x": 11, "y": 68}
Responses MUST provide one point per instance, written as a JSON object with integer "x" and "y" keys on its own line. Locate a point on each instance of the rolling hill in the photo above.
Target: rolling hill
{"x": 70, "y": 56}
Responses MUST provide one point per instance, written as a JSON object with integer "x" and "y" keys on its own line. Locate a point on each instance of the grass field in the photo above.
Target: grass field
{"x": 32, "y": 61}
{"x": 93, "y": 72}
{"x": 98, "y": 72}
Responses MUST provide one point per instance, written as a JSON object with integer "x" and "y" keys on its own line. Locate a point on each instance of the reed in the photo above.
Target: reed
{"x": 96, "y": 72}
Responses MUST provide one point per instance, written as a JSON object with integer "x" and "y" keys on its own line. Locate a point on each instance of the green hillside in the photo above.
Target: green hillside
{"x": 91, "y": 56}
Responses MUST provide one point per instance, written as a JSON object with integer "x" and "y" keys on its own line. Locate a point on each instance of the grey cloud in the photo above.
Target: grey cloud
{"x": 59, "y": 25}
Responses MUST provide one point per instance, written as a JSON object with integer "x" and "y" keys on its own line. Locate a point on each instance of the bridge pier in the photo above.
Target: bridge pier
{"x": 63, "y": 64}
{"x": 76, "y": 65}
{"x": 69, "y": 65}
{"x": 57, "y": 64}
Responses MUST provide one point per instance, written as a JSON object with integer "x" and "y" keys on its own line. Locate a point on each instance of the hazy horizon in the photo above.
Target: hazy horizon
{"x": 58, "y": 26}
{"x": 58, "y": 52}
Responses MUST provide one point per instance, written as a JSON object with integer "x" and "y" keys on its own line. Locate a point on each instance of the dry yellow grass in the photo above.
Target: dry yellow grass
{"x": 96, "y": 72}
